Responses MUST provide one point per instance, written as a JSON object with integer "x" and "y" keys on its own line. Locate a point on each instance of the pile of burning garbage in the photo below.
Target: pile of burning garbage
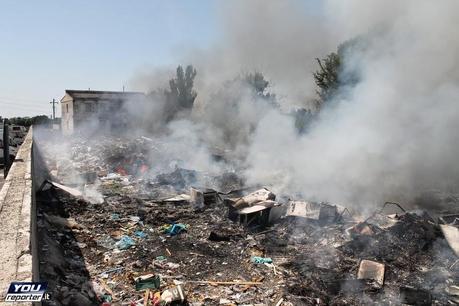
{"x": 120, "y": 235}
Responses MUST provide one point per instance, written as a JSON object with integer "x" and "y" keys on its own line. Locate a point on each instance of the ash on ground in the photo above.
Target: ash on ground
{"x": 115, "y": 230}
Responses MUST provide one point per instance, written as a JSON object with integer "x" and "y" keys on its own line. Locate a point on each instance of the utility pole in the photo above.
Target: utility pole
{"x": 54, "y": 108}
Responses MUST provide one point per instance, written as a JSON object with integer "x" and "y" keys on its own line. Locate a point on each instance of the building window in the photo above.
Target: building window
{"x": 67, "y": 107}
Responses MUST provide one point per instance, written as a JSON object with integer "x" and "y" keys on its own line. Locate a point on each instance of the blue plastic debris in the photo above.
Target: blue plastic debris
{"x": 175, "y": 229}
{"x": 261, "y": 260}
{"x": 140, "y": 234}
{"x": 124, "y": 243}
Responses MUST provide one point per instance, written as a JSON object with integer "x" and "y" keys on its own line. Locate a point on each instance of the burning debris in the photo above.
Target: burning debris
{"x": 234, "y": 198}
{"x": 174, "y": 238}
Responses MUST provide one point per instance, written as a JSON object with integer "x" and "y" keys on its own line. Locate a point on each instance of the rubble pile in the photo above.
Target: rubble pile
{"x": 189, "y": 238}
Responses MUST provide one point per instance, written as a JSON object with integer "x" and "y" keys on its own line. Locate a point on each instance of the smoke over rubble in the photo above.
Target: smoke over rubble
{"x": 385, "y": 131}
{"x": 390, "y": 136}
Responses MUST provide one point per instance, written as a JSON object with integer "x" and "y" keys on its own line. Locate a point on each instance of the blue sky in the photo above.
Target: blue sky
{"x": 48, "y": 46}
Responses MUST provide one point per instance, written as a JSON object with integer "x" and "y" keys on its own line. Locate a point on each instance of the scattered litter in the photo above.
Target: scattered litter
{"x": 178, "y": 198}
{"x": 451, "y": 219}
{"x": 260, "y": 260}
{"x": 363, "y": 228}
{"x": 149, "y": 281}
{"x": 175, "y": 229}
{"x": 214, "y": 236}
{"x": 140, "y": 234}
{"x": 453, "y": 291}
{"x": 112, "y": 270}
{"x": 243, "y": 283}
{"x": 81, "y": 245}
{"x": 371, "y": 270}
{"x": 196, "y": 198}
{"x": 257, "y": 215}
{"x": 173, "y": 295}
{"x": 452, "y": 237}
{"x": 279, "y": 302}
{"x": 65, "y": 222}
{"x": 124, "y": 243}
{"x": 325, "y": 213}
{"x": 135, "y": 219}
{"x": 254, "y": 198}
{"x": 106, "y": 242}
{"x": 86, "y": 250}
{"x": 172, "y": 265}
{"x": 225, "y": 302}
{"x": 72, "y": 191}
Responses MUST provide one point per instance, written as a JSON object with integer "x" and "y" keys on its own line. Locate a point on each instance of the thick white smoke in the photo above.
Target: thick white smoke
{"x": 390, "y": 137}
{"x": 394, "y": 135}
{"x": 281, "y": 39}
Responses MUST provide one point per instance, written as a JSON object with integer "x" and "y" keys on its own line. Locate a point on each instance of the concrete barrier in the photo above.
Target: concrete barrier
{"x": 18, "y": 222}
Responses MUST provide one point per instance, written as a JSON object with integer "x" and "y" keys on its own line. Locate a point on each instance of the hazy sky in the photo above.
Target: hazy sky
{"x": 48, "y": 46}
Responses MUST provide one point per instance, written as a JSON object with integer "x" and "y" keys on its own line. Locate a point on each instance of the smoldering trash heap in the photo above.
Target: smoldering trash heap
{"x": 301, "y": 161}
{"x": 114, "y": 229}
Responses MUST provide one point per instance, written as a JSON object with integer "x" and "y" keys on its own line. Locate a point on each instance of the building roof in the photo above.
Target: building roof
{"x": 109, "y": 95}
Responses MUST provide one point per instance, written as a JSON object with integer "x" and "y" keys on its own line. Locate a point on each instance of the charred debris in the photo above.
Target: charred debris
{"x": 113, "y": 231}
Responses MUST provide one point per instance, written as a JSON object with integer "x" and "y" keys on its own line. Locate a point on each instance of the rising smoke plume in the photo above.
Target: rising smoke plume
{"x": 392, "y": 137}
{"x": 389, "y": 137}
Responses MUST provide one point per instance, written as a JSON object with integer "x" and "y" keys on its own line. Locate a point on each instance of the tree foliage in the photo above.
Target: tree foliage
{"x": 258, "y": 82}
{"x": 28, "y": 121}
{"x": 327, "y": 76}
{"x": 236, "y": 108}
{"x": 181, "y": 94}
{"x": 331, "y": 76}
{"x": 175, "y": 101}
{"x": 260, "y": 87}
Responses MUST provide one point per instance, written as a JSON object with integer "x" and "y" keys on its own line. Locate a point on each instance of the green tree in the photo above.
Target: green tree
{"x": 339, "y": 69}
{"x": 259, "y": 86}
{"x": 28, "y": 121}
{"x": 42, "y": 119}
{"x": 245, "y": 99}
{"x": 258, "y": 82}
{"x": 181, "y": 93}
{"x": 327, "y": 77}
